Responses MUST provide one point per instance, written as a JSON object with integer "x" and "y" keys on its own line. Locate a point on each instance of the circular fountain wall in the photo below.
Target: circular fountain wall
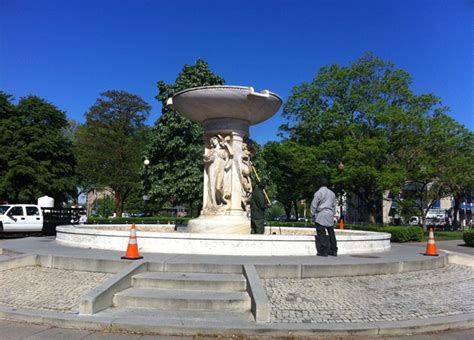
{"x": 162, "y": 239}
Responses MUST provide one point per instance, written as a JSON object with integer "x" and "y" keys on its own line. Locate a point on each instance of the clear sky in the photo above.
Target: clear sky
{"x": 69, "y": 51}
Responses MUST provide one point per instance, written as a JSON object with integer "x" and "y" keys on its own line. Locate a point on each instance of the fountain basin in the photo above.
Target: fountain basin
{"x": 349, "y": 241}
{"x": 201, "y": 104}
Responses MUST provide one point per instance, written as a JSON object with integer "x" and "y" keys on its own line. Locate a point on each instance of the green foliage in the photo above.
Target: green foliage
{"x": 366, "y": 227}
{"x": 298, "y": 224}
{"x": 294, "y": 169}
{"x": 404, "y": 234}
{"x": 274, "y": 211}
{"x": 363, "y": 116}
{"x": 104, "y": 206}
{"x": 399, "y": 234}
{"x": 468, "y": 237}
{"x": 36, "y": 158}
{"x": 438, "y": 162}
{"x": 441, "y": 235}
{"x": 175, "y": 151}
{"x": 140, "y": 220}
{"x": 110, "y": 143}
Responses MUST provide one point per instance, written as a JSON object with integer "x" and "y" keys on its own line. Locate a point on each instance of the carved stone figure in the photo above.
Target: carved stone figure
{"x": 217, "y": 159}
{"x": 246, "y": 179}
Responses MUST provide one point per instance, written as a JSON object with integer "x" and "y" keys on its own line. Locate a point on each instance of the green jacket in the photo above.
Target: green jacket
{"x": 257, "y": 204}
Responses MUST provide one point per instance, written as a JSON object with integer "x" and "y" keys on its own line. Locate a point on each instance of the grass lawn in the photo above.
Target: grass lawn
{"x": 444, "y": 235}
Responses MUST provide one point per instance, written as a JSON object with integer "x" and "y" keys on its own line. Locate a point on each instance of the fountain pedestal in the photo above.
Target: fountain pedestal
{"x": 226, "y": 113}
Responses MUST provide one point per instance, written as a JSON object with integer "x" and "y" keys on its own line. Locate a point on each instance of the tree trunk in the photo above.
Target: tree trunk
{"x": 118, "y": 204}
{"x": 456, "y": 208}
{"x": 287, "y": 206}
{"x": 295, "y": 204}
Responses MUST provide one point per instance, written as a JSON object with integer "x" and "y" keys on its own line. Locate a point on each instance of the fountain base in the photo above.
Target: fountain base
{"x": 277, "y": 242}
{"x": 238, "y": 224}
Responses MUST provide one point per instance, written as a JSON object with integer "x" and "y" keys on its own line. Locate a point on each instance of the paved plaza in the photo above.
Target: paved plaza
{"x": 304, "y": 299}
{"x": 394, "y": 297}
{"x": 47, "y": 288}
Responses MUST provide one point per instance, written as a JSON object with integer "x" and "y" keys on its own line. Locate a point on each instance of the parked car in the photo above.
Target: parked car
{"x": 30, "y": 217}
{"x": 436, "y": 218}
{"x": 414, "y": 220}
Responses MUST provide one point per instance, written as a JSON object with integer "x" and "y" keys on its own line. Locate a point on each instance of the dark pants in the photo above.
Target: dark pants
{"x": 257, "y": 226}
{"x": 325, "y": 244}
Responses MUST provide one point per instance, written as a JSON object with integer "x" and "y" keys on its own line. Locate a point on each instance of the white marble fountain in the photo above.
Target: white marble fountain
{"x": 223, "y": 227}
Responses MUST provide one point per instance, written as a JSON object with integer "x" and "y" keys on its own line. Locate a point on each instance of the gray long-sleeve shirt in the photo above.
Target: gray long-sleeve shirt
{"x": 323, "y": 207}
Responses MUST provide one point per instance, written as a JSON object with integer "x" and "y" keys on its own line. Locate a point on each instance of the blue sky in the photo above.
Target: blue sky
{"x": 70, "y": 51}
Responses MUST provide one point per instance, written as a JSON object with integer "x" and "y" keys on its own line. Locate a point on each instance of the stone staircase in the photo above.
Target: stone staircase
{"x": 203, "y": 289}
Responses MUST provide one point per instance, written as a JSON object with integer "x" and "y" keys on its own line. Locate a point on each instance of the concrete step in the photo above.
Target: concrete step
{"x": 172, "y": 299}
{"x": 190, "y": 281}
{"x": 215, "y": 268}
{"x": 179, "y": 318}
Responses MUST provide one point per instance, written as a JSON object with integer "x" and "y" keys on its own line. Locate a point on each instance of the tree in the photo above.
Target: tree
{"x": 294, "y": 169}
{"x": 358, "y": 116}
{"x": 110, "y": 144}
{"x": 36, "y": 159}
{"x": 175, "y": 173}
{"x": 438, "y": 163}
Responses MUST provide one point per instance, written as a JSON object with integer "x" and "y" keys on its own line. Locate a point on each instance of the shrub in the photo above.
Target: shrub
{"x": 399, "y": 234}
{"x": 366, "y": 227}
{"x": 139, "y": 220}
{"x": 468, "y": 237}
{"x": 405, "y": 234}
{"x": 290, "y": 224}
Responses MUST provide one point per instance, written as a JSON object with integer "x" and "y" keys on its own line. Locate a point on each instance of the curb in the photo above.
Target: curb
{"x": 113, "y": 325}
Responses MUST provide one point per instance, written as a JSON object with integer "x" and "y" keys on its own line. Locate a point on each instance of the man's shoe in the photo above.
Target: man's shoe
{"x": 333, "y": 253}
{"x": 325, "y": 255}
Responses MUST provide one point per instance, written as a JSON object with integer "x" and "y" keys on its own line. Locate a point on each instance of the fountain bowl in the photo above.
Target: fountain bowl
{"x": 201, "y": 104}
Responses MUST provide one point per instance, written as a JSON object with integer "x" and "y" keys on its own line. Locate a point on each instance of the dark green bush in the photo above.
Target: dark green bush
{"x": 399, "y": 234}
{"x": 290, "y": 224}
{"x": 366, "y": 227}
{"x": 139, "y": 220}
{"x": 405, "y": 234}
{"x": 468, "y": 237}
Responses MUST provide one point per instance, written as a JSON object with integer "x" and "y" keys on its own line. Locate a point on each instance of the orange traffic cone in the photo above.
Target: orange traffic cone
{"x": 341, "y": 224}
{"x": 132, "y": 249}
{"x": 431, "y": 246}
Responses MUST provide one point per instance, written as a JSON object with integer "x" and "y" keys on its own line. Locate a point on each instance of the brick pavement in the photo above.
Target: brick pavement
{"x": 391, "y": 297}
{"x": 47, "y": 288}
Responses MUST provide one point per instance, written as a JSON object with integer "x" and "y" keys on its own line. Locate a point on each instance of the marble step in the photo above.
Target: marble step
{"x": 173, "y": 299}
{"x": 190, "y": 281}
{"x": 215, "y": 268}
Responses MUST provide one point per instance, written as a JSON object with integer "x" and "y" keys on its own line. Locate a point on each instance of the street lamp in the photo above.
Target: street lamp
{"x": 340, "y": 167}
{"x": 146, "y": 198}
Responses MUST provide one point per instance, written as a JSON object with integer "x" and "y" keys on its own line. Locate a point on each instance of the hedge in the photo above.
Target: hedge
{"x": 399, "y": 234}
{"x": 405, "y": 234}
{"x": 468, "y": 237}
{"x": 139, "y": 220}
{"x": 290, "y": 224}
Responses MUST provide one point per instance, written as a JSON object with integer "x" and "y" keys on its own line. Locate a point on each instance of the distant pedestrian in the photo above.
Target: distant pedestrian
{"x": 258, "y": 205}
{"x": 323, "y": 209}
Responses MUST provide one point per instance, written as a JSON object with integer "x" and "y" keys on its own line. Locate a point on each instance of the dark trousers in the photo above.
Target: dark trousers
{"x": 257, "y": 226}
{"x": 325, "y": 244}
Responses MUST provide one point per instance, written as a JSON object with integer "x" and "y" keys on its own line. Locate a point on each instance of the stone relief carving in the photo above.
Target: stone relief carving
{"x": 217, "y": 159}
{"x": 246, "y": 179}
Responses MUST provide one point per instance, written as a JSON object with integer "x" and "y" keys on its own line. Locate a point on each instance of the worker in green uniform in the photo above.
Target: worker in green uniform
{"x": 258, "y": 205}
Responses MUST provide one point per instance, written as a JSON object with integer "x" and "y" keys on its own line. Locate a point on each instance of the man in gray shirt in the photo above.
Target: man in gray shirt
{"x": 323, "y": 208}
